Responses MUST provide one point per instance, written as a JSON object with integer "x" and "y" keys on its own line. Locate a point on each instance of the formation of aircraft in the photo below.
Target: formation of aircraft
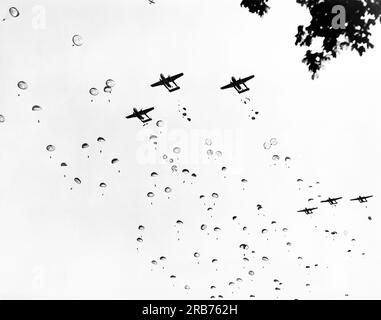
{"x": 362, "y": 199}
{"x": 332, "y": 201}
{"x": 141, "y": 114}
{"x": 239, "y": 85}
{"x": 168, "y": 82}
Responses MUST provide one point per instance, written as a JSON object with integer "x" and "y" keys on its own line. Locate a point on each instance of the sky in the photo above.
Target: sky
{"x": 62, "y": 240}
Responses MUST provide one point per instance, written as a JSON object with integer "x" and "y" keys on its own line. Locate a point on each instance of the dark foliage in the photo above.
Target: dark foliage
{"x": 361, "y": 15}
{"x": 259, "y": 7}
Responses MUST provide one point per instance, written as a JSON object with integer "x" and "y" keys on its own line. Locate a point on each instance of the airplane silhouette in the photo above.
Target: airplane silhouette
{"x": 239, "y": 85}
{"x": 362, "y": 199}
{"x": 168, "y": 82}
{"x": 141, "y": 114}
{"x": 308, "y": 210}
{"x": 331, "y": 201}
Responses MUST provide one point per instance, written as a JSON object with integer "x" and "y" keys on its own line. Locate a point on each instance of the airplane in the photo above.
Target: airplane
{"x": 168, "y": 82}
{"x": 362, "y": 199}
{"x": 308, "y": 210}
{"x": 141, "y": 114}
{"x": 239, "y": 85}
{"x": 331, "y": 201}
{"x": 151, "y": 1}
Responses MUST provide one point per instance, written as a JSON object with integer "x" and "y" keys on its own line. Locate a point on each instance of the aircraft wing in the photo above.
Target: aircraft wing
{"x": 173, "y": 78}
{"x": 304, "y": 210}
{"x": 247, "y": 79}
{"x": 134, "y": 115}
{"x": 324, "y": 201}
{"x": 147, "y": 110}
{"x": 159, "y": 83}
{"x": 230, "y": 85}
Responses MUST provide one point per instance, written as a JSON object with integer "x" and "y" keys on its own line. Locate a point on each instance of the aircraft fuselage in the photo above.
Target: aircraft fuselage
{"x": 236, "y": 83}
{"x": 165, "y": 81}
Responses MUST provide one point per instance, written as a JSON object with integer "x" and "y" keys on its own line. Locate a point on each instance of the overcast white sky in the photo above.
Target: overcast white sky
{"x": 81, "y": 243}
